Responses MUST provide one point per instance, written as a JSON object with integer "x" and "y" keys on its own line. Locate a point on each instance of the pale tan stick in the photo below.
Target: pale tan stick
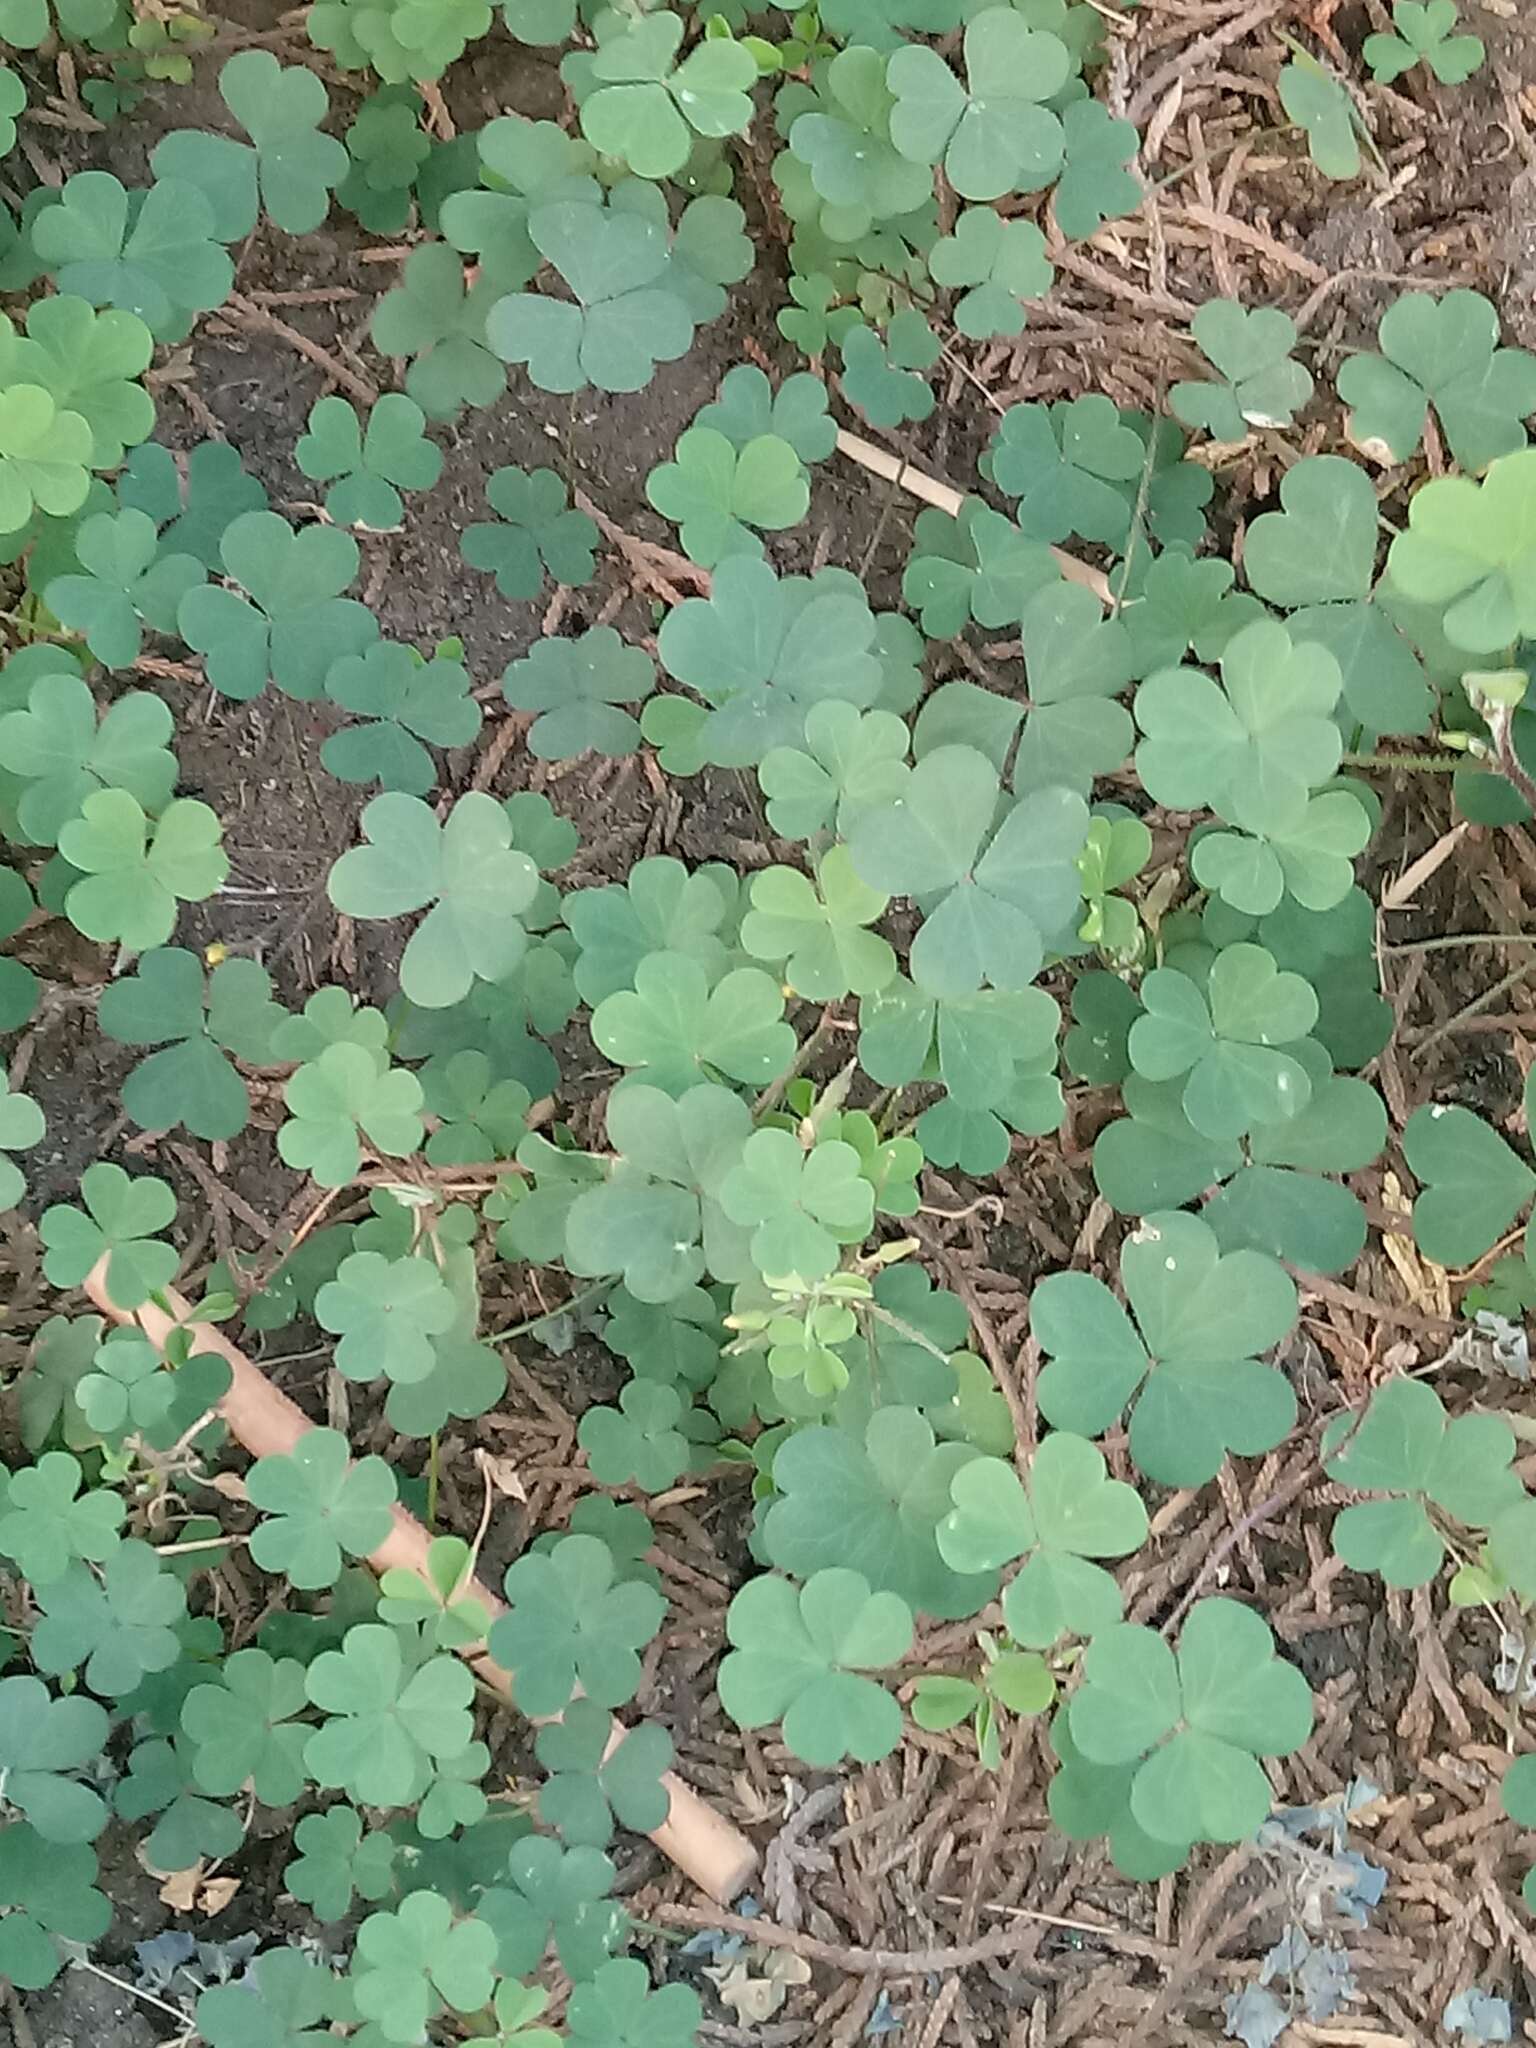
{"x": 880, "y": 462}
{"x": 701, "y": 1842}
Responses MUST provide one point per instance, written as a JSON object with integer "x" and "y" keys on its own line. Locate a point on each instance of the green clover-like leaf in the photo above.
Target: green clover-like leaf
{"x": 196, "y": 1018}
{"x": 577, "y": 687}
{"x": 535, "y": 531}
{"x": 1203, "y": 1317}
{"x": 119, "y": 1223}
{"x": 799, "y": 1655}
{"x": 990, "y": 903}
{"x": 1205, "y": 1714}
{"x": 465, "y": 867}
{"x": 48, "y": 1522}
{"x": 1442, "y": 353}
{"x": 386, "y": 1312}
{"x": 627, "y": 316}
{"x": 154, "y": 254}
{"x": 338, "y": 1862}
{"x": 91, "y": 364}
{"x": 675, "y": 1029}
{"x": 874, "y": 1503}
{"x": 319, "y": 1504}
{"x": 348, "y": 1090}
{"x": 405, "y": 701}
{"x": 292, "y": 623}
{"x": 439, "y": 321}
{"x": 820, "y": 929}
{"x": 287, "y": 170}
{"x": 588, "y": 1789}
{"x": 42, "y": 1739}
{"x": 994, "y": 134}
{"x": 1066, "y": 1512}
{"x": 1424, "y": 37}
{"x": 714, "y": 492}
{"x": 119, "y": 1629}
{"x": 1228, "y": 1040}
{"x": 1406, "y": 1448}
{"x": 410, "y": 1963}
{"x": 644, "y": 103}
{"x": 243, "y": 1728}
{"x": 45, "y": 454}
{"x": 572, "y": 1624}
{"x": 390, "y": 1719}
{"x": 368, "y": 467}
{"x": 1251, "y": 352}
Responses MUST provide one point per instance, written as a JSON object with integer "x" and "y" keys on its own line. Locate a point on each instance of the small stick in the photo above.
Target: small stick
{"x": 701, "y": 1842}
{"x": 880, "y": 463}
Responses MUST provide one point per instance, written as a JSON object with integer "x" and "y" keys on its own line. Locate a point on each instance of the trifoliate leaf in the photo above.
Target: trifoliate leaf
{"x": 1002, "y": 262}
{"x": 675, "y": 1029}
{"x": 993, "y": 135}
{"x": 292, "y": 624}
{"x": 407, "y": 700}
{"x": 318, "y": 1504}
{"x": 1203, "y": 1317}
{"x": 154, "y": 254}
{"x": 577, "y": 687}
{"x": 289, "y": 168}
{"x": 798, "y": 1657}
{"x": 988, "y": 913}
{"x": 1251, "y": 351}
{"x": 1467, "y": 553}
{"x": 572, "y": 1624}
{"x": 411, "y": 1963}
{"x": 90, "y": 364}
{"x": 1206, "y": 1714}
{"x": 628, "y": 315}
{"x": 389, "y": 1720}
{"x": 535, "y": 532}
{"x": 120, "y": 1222}
{"x": 464, "y": 867}
{"x": 439, "y": 322}
{"x": 820, "y": 929}
{"x": 367, "y": 468}
{"x": 1406, "y": 1448}
{"x": 386, "y": 1312}
{"x": 1424, "y": 37}
{"x": 347, "y": 1090}
{"x": 875, "y": 1504}
{"x": 338, "y": 1861}
{"x": 119, "y": 1628}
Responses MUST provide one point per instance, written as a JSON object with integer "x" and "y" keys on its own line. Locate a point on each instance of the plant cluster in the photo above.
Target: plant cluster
{"x": 790, "y": 1047}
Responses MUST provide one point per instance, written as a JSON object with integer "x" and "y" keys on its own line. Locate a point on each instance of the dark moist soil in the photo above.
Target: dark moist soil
{"x": 923, "y": 1848}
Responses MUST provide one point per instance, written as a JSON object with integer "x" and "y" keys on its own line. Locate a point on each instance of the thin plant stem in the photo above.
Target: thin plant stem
{"x": 1456, "y": 939}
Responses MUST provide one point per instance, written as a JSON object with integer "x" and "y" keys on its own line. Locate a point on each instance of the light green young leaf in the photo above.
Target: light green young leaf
{"x": 820, "y": 929}
{"x": 714, "y": 491}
